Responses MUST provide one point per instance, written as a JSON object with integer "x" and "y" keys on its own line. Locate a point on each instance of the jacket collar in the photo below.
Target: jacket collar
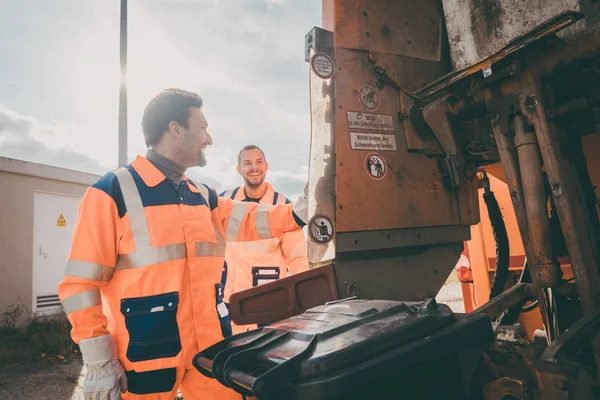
{"x": 266, "y": 199}
{"x": 152, "y": 175}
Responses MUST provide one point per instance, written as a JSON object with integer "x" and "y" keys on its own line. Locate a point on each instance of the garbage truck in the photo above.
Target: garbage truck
{"x": 439, "y": 129}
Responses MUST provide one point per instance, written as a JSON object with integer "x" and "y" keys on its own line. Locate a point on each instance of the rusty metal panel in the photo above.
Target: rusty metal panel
{"x": 480, "y": 28}
{"x": 410, "y": 27}
{"x": 410, "y": 277}
{"x": 410, "y": 192}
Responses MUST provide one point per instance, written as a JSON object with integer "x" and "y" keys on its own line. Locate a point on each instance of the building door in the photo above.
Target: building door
{"x": 53, "y": 222}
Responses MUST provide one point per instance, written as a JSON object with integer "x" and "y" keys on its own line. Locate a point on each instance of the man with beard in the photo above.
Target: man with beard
{"x": 250, "y": 264}
{"x": 142, "y": 281}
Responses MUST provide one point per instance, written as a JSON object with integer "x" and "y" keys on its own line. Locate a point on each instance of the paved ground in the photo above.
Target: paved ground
{"x": 60, "y": 380}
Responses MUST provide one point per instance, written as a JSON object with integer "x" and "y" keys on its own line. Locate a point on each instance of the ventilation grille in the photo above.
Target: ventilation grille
{"x": 47, "y": 303}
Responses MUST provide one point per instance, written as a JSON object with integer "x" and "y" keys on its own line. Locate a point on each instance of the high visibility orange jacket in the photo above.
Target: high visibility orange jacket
{"x": 250, "y": 264}
{"x": 146, "y": 264}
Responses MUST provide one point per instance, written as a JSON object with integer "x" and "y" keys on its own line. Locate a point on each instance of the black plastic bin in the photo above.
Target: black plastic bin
{"x": 354, "y": 349}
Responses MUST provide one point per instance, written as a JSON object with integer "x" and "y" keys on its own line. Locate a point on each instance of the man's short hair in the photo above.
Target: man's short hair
{"x": 249, "y": 147}
{"x": 169, "y": 105}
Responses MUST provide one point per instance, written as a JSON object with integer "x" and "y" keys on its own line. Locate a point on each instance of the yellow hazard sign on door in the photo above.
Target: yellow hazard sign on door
{"x": 61, "y": 221}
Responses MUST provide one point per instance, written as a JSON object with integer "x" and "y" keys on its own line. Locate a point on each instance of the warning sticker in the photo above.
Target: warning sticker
{"x": 320, "y": 229}
{"x": 322, "y": 65}
{"x": 372, "y": 141}
{"x": 374, "y": 122}
{"x": 368, "y": 97}
{"x": 61, "y": 221}
{"x": 375, "y": 166}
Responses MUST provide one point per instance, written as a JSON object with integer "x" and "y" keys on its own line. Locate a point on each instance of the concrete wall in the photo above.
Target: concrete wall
{"x": 18, "y": 182}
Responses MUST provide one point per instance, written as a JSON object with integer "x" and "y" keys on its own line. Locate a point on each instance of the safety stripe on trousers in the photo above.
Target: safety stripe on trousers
{"x": 88, "y": 270}
{"x": 135, "y": 209}
{"x": 81, "y": 300}
{"x": 262, "y": 221}
{"x": 235, "y": 220}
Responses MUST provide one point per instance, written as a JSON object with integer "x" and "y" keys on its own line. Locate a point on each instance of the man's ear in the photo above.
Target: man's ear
{"x": 175, "y": 130}
{"x": 239, "y": 170}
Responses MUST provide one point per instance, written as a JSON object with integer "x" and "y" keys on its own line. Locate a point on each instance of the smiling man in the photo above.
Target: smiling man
{"x": 251, "y": 264}
{"x": 142, "y": 282}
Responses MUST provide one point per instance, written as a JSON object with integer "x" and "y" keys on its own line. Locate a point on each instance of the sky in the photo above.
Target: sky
{"x": 59, "y": 80}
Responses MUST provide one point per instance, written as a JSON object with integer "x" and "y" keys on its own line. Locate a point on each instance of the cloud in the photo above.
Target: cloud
{"x": 244, "y": 57}
{"x": 25, "y": 138}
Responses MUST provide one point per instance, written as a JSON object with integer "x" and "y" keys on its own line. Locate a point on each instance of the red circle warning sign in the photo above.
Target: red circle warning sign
{"x": 368, "y": 97}
{"x": 375, "y": 166}
{"x": 322, "y": 65}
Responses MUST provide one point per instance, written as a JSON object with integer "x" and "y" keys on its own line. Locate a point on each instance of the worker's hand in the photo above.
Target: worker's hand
{"x": 105, "y": 378}
{"x": 301, "y": 206}
{"x": 104, "y": 381}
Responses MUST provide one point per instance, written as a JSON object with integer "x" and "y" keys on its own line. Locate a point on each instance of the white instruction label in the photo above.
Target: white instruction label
{"x": 374, "y": 122}
{"x": 372, "y": 141}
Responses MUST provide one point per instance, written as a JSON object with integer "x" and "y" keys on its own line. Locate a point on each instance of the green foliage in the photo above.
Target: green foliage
{"x": 45, "y": 338}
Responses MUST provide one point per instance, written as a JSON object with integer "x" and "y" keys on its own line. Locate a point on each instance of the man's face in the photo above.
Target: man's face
{"x": 195, "y": 139}
{"x": 253, "y": 167}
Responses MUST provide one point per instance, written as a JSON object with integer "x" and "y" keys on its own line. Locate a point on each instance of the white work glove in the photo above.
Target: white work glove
{"x": 301, "y": 206}
{"x": 105, "y": 378}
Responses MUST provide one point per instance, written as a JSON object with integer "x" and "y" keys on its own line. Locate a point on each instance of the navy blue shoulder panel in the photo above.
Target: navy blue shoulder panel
{"x": 234, "y": 192}
{"x": 275, "y": 198}
{"x": 223, "y": 193}
{"x": 287, "y": 201}
{"x": 110, "y": 185}
{"x": 165, "y": 193}
{"x": 162, "y": 194}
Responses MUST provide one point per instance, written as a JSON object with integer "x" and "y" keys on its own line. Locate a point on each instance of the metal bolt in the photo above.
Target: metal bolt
{"x": 531, "y": 101}
{"x": 309, "y": 38}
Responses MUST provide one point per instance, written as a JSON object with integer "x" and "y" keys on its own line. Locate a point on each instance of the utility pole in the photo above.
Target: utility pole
{"x": 123, "y": 88}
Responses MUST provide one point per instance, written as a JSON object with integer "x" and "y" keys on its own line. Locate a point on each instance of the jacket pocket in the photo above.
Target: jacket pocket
{"x": 158, "y": 381}
{"x": 152, "y": 325}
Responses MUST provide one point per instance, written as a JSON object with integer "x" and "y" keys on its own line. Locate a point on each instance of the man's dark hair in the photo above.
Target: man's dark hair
{"x": 169, "y": 105}
{"x": 249, "y": 147}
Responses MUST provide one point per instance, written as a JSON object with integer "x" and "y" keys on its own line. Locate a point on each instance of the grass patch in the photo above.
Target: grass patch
{"x": 46, "y": 338}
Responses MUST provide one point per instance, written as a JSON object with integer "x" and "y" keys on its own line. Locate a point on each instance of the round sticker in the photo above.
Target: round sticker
{"x": 375, "y": 166}
{"x": 368, "y": 97}
{"x": 322, "y": 65}
{"x": 320, "y": 229}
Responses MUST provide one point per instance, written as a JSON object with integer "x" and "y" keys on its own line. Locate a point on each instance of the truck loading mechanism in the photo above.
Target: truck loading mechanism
{"x": 413, "y": 105}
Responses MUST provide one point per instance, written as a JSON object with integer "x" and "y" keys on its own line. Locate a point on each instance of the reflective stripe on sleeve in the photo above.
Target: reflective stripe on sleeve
{"x": 153, "y": 255}
{"x": 81, "y": 300}
{"x": 88, "y": 270}
{"x": 235, "y": 220}
{"x": 262, "y": 221}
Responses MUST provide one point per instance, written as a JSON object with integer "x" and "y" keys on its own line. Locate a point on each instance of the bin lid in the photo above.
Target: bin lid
{"x": 328, "y": 339}
{"x": 352, "y": 331}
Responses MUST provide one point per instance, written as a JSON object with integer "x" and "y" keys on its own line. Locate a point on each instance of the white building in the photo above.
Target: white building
{"x": 38, "y": 209}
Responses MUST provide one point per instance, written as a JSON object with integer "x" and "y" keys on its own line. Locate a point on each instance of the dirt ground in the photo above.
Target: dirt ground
{"x": 60, "y": 380}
